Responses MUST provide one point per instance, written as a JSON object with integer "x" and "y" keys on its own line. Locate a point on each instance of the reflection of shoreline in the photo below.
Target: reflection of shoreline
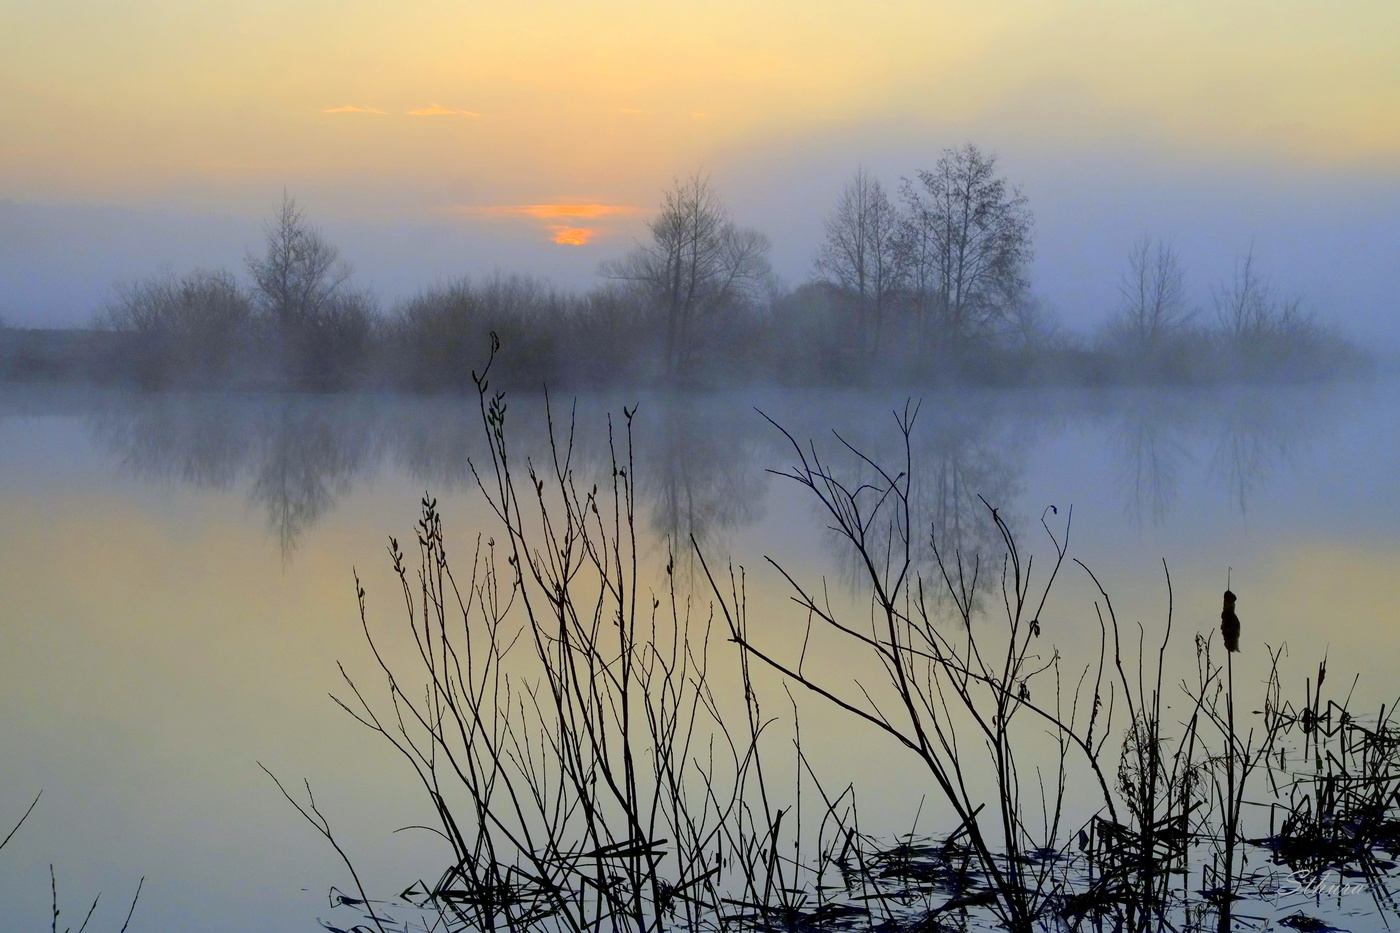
{"x": 1244, "y": 436}
{"x": 298, "y": 454}
{"x": 700, "y": 460}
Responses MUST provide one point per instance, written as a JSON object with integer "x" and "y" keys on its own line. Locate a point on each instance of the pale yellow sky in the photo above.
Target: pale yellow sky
{"x": 545, "y": 101}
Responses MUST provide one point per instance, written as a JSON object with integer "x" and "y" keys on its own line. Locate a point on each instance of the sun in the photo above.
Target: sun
{"x": 572, "y": 236}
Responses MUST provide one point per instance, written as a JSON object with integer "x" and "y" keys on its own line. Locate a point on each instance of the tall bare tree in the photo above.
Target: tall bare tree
{"x": 299, "y": 273}
{"x": 861, "y": 253}
{"x": 966, "y": 239}
{"x": 1152, "y": 296}
{"x": 1248, "y": 309}
{"x": 698, "y": 264}
{"x": 301, "y": 287}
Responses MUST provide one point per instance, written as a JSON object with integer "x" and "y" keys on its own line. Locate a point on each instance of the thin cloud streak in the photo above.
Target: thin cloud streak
{"x": 437, "y": 110}
{"x": 351, "y": 108}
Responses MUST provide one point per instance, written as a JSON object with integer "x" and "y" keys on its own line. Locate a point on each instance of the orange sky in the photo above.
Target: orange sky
{"x": 439, "y": 104}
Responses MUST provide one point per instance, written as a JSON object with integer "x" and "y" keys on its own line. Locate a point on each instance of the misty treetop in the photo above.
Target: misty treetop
{"x": 699, "y": 265}
{"x": 948, "y": 269}
{"x": 317, "y": 325}
{"x": 926, "y": 282}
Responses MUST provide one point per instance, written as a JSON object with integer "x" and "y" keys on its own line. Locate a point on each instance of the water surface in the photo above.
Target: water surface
{"x": 177, "y": 586}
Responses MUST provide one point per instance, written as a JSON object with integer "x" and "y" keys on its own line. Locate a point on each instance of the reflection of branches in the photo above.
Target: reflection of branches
{"x": 1151, "y": 451}
{"x": 309, "y": 459}
{"x": 1252, "y": 433}
{"x": 302, "y": 452}
{"x": 203, "y": 443}
{"x": 432, "y": 439}
{"x": 698, "y": 456}
{"x": 1259, "y": 433}
{"x": 970, "y": 461}
{"x": 962, "y": 457}
{"x": 702, "y": 464}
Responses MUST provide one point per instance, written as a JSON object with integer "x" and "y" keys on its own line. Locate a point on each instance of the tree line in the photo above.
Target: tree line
{"x": 925, "y": 285}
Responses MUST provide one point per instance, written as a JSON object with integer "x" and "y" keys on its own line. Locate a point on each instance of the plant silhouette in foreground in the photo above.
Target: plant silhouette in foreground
{"x": 561, "y": 717}
{"x": 53, "y": 883}
{"x": 947, "y": 680}
{"x": 597, "y": 760}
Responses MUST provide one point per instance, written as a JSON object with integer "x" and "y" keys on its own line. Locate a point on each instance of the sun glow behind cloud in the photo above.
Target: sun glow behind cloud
{"x": 572, "y": 236}
{"x": 547, "y": 211}
{"x": 564, "y": 234}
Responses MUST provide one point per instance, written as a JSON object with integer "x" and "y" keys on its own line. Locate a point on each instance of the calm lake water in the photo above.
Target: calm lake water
{"x": 176, "y": 589}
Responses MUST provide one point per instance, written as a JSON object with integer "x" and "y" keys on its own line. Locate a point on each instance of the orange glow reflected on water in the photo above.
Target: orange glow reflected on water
{"x": 572, "y": 236}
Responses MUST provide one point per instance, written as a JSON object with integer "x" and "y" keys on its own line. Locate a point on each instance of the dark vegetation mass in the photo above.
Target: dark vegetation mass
{"x": 926, "y": 285}
{"x": 606, "y": 749}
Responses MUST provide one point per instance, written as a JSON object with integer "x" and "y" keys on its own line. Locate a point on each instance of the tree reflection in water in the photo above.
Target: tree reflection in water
{"x": 699, "y": 467}
{"x": 1151, "y": 436}
{"x": 1244, "y": 435}
{"x": 700, "y": 460}
{"x": 962, "y": 454}
{"x": 173, "y": 438}
{"x": 310, "y": 454}
{"x": 299, "y": 453}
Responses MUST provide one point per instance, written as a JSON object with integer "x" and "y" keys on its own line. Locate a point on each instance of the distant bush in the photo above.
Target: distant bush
{"x": 190, "y": 329}
{"x": 439, "y": 334}
{"x": 610, "y": 338}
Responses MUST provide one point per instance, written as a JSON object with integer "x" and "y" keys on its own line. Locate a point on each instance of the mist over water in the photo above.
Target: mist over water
{"x": 214, "y": 536}
{"x": 929, "y": 279}
{"x": 702, "y": 457}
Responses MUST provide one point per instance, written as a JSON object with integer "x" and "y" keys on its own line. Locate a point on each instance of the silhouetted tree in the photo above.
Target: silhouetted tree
{"x": 966, "y": 241}
{"x": 301, "y": 286}
{"x": 698, "y": 264}
{"x": 1152, "y": 293}
{"x": 1248, "y": 310}
{"x": 861, "y": 253}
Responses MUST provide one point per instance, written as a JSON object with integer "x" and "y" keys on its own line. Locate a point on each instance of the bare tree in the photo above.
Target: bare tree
{"x": 299, "y": 273}
{"x": 698, "y": 264}
{"x": 966, "y": 239}
{"x": 1153, "y": 296}
{"x": 301, "y": 288}
{"x": 1248, "y": 309}
{"x": 861, "y": 253}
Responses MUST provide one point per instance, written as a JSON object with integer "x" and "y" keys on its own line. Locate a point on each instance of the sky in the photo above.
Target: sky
{"x": 432, "y": 139}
